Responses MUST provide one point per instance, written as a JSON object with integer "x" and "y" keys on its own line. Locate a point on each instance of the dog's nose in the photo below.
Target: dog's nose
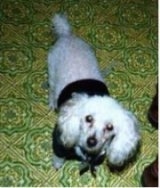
{"x": 91, "y": 141}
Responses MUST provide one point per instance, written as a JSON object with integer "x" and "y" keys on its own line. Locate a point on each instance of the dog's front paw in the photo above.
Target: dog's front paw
{"x": 58, "y": 162}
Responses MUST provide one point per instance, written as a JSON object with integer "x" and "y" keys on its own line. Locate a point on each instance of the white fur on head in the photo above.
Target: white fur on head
{"x": 125, "y": 142}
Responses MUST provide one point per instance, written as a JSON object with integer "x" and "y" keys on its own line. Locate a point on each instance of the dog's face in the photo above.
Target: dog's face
{"x": 97, "y": 124}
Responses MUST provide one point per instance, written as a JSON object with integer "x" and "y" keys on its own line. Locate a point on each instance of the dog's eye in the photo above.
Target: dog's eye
{"x": 109, "y": 127}
{"x": 89, "y": 119}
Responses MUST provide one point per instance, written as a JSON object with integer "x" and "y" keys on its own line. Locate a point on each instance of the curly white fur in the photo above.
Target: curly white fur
{"x": 114, "y": 128}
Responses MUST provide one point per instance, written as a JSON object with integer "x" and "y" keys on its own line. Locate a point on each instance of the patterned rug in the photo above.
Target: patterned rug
{"x": 124, "y": 36}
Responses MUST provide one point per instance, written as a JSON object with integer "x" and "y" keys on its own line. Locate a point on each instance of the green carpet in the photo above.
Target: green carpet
{"x": 124, "y": 36}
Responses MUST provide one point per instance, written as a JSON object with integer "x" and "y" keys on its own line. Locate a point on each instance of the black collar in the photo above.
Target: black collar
{"x": 89, "y": 86}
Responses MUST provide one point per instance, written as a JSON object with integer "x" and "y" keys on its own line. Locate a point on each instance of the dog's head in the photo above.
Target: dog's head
{"x": 98, "y": 123}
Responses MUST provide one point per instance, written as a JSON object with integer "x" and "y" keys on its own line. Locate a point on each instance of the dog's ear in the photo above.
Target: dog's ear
{"x": 126, "y": 139}
{"x": 69, "y": 123}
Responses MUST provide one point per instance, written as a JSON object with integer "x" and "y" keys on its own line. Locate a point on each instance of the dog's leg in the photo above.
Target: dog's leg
{"x": 52, "y": 100}
{"x": 52, "y": 104}
{"x": 58, "y": 162}
{"x": 58, "y": 148}
{"x": 51, "y": 79}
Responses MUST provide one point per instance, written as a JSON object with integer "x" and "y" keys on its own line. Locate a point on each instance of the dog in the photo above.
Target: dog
{"x": 90, "y": 122}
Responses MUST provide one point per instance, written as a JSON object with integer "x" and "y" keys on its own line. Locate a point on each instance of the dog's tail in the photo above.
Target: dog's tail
{"x": 61, "y": 25}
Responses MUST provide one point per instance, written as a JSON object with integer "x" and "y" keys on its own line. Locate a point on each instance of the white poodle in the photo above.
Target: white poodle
{"x": 90, "y": 122}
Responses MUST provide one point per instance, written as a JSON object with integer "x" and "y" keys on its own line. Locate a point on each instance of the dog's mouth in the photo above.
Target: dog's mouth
{"x": 91, "y": 152}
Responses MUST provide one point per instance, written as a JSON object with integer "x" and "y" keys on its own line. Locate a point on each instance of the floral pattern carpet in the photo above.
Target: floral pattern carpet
{"x": 124, "y": 36}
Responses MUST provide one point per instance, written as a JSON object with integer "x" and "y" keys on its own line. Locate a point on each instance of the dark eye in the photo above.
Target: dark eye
{"x": 109, "y": 127}
{"x": 89, "y": 119}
